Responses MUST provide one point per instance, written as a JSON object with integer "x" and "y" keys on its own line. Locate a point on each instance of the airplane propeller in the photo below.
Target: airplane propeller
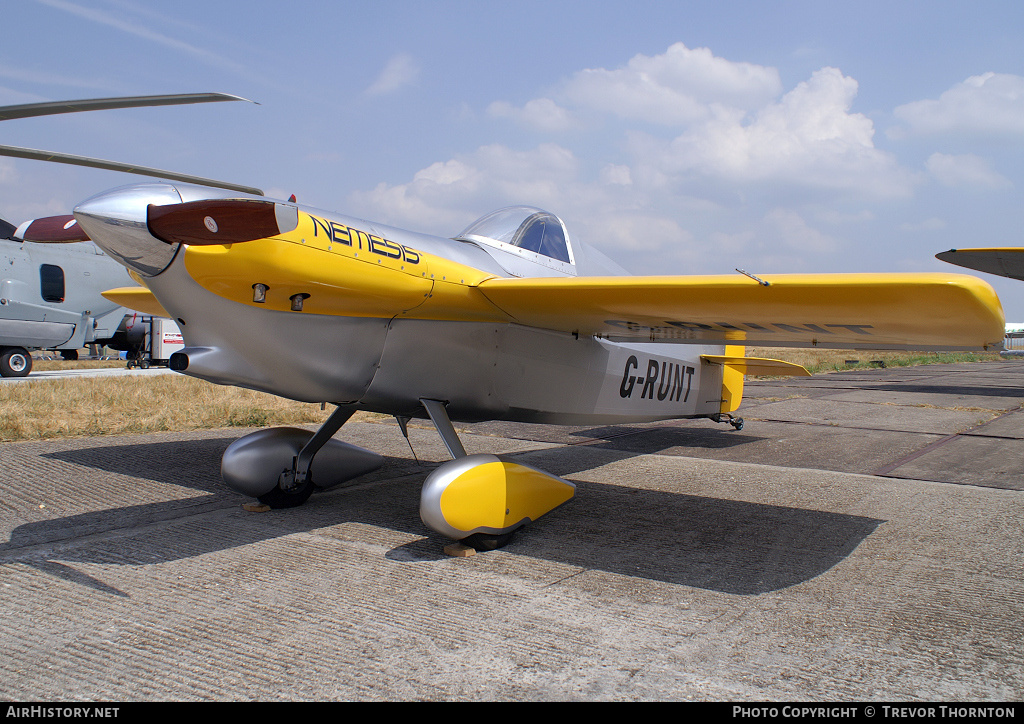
{"x": 62, "y": 229}
{"x": 32, "y": 110}
{"x": 197, "y": 223}
{"x": 220, "y": 221}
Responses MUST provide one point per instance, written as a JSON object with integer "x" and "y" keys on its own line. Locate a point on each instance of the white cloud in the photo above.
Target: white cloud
{"x": 542, "y": 114}
{"x": 447, "y": 173}
{"x": 788, "y": 229}
{"x": 733, "y": 171}
{"x": 449, "y": 194}
{"x": 675, "y": 88}
{"x": 617, "y": 175}
{"x": 808, "y": 138}
{"x": 965, "y": 170}
{"x": 988, "y": 103}
{"x": 642, "y": 232}
{"x": 735, "y": 128}
{"x": 402, "y": 70}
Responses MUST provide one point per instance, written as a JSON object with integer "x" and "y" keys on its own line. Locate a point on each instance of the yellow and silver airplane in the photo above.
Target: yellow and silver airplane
{"x": 514, "y": 318}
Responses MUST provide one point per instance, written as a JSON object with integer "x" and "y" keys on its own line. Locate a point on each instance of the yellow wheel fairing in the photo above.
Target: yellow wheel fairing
{"x": 482, "y": 494}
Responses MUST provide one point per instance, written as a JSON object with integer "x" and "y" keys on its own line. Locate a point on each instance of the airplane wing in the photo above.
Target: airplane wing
{"x": 835, "y": 311}
{"x": 1004, "y": 262}
{"x": 838, "y": 311}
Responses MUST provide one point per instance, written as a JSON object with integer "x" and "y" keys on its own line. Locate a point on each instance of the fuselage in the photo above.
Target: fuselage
{"x": 341, "y": 310}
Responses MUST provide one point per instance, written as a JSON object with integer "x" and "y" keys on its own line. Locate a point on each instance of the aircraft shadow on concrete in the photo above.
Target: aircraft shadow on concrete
{"x": 940, "y": 389}
{"x": 705, "y": 542}
{"x": 642, "y": 438}
{"x": 650, "y": 440}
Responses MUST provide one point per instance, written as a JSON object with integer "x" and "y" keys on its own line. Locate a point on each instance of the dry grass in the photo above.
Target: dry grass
{"x": 819, "y": 361}
{"x": 126, "y": 405}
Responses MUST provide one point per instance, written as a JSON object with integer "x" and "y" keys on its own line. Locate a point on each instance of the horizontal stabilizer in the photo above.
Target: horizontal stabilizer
{"x": 758, "y": 366}
{"x": 836, "y": 311}
{"x": 138, "y": 299}
{"x": 1004, "y": 262}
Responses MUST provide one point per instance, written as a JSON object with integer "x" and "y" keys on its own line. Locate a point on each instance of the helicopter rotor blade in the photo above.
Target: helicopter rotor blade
{"x": 32, "y": 110}
{"x": 31, "y": 153}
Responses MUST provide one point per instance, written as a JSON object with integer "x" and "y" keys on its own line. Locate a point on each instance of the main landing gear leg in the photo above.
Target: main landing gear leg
{"x": 479, "y": 499}
{"x": 439, "y": 416}
{"x": 297, "y": 483}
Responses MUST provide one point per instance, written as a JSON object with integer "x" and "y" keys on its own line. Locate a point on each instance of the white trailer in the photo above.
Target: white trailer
{"x": 151, "y": 340}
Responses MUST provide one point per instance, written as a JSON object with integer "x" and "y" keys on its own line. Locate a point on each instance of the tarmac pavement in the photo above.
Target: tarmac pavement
{"x": 858, "y": 540}
{"x": 76, "y": 373}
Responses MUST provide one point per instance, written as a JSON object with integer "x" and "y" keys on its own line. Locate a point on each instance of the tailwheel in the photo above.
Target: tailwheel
{"x": 736, "y": 422}
{"x": 291, "y": 498}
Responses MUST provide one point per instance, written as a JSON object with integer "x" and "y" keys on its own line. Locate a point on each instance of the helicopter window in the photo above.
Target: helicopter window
{"x": 51, "y": 283}
{"x": 526, "y": 227}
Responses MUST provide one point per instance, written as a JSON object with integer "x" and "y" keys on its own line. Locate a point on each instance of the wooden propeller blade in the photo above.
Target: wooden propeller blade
{"x": 52, "y": 229}
{"x": 220, "y": 221}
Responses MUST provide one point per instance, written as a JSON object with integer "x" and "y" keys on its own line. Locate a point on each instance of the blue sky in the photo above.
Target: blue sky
{"x": 678, "y": 137}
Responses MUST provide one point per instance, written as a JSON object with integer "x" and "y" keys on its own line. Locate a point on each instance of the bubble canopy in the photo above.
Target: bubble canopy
{"x": 525, "y": 227}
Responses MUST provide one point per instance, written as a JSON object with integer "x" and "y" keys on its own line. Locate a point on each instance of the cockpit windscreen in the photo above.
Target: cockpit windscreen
{"x": 524, "y": 227}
